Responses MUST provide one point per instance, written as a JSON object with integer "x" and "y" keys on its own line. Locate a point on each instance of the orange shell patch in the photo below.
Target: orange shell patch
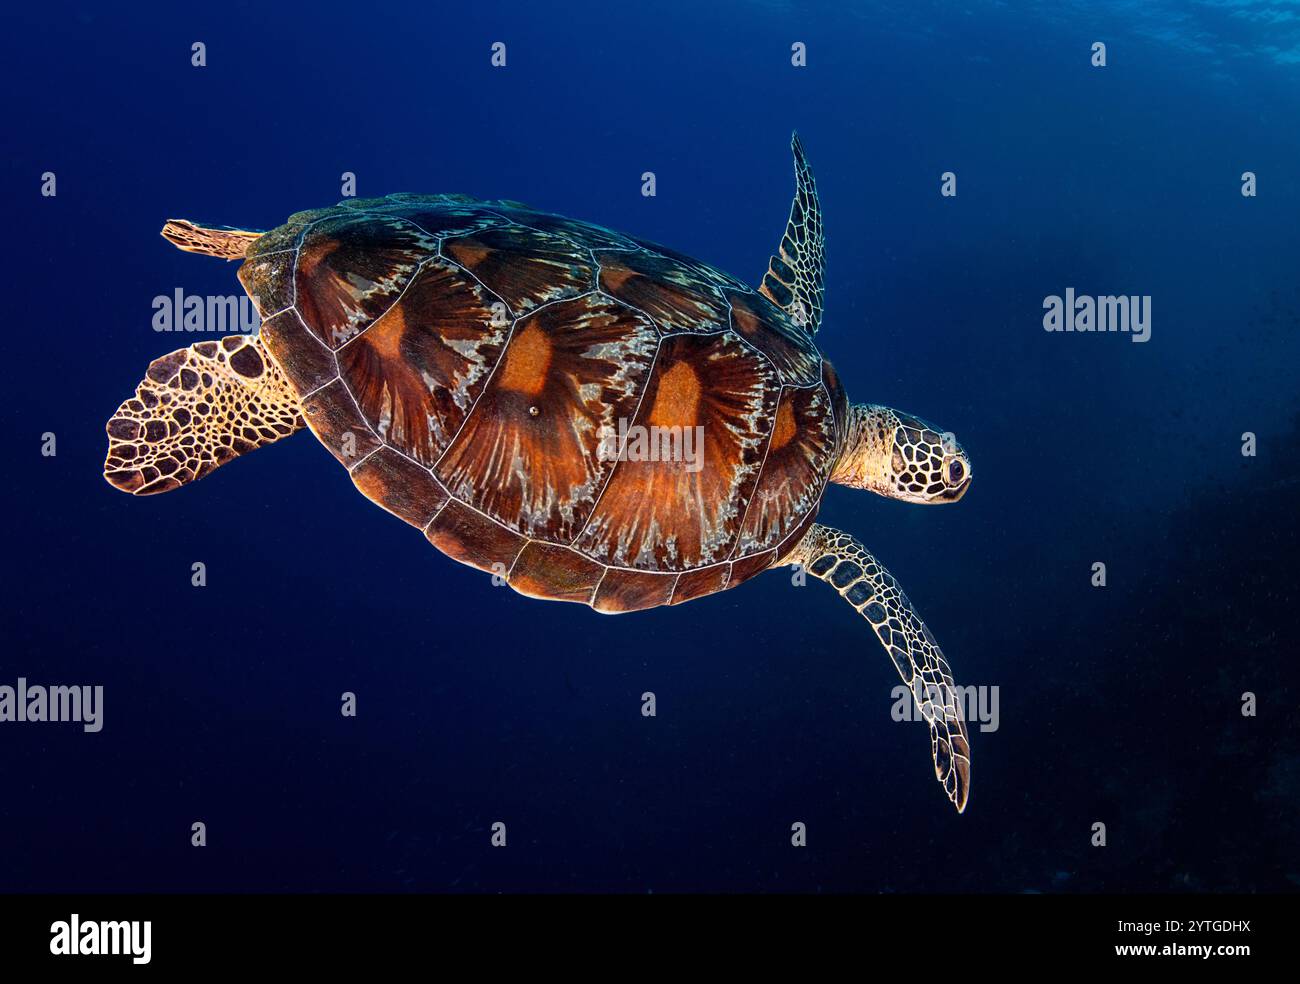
{"x": 527, "y": 360}
{"x": 677, "y": 403}
{"x": 784, "y": 428}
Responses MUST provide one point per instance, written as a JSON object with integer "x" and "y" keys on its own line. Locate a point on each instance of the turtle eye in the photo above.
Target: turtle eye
{"x": 956, "y": 472}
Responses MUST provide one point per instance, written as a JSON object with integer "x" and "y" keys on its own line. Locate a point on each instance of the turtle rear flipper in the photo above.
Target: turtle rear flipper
{"x": 196, "y": 409}
{"x": 225, "y": 242}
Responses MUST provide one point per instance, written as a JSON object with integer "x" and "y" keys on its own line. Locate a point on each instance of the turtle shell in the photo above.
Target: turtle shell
{"x": 469, "y": 362}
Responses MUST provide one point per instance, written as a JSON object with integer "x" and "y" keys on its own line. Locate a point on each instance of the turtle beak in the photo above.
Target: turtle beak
{"x": 954, "y": 495}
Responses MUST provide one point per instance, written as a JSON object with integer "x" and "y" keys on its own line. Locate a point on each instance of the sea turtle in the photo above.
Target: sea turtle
{"x": 501, "y": 378}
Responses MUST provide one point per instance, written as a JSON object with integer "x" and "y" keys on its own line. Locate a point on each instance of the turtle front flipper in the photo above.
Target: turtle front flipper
{"x": 795, "y": 276}
{"x": 849, "y": 567}
{"x": 196, "y": 409}
{"x": 225, "y": 242}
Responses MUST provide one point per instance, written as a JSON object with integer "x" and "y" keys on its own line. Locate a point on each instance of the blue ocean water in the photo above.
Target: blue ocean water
{"x": 1118, "y": 705}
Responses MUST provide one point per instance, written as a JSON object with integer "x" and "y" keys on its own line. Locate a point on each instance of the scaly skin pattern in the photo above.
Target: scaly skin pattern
{"x": 844, "y": 563}
{"x": 795, "y": 277}
{"x": 196, "y": 409}
{"x": 901, "y": 457}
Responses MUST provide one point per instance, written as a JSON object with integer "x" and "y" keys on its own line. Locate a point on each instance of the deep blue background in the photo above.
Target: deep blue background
{"x": 1117, "y": 705}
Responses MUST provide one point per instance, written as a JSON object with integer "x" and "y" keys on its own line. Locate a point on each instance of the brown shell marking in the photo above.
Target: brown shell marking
{"x": 308, "y": 364}
{"x": 664, "y": 516}
{"x": 701, "y": 271}
{"x": 350, "y": 269}
{"x": 799, "y": 457}
{"x": 698, "y": 583}
{"x": 416, "y": 371}
{"x": 759, "y": 322}
{"x": 581, "y": 233}
{"x": 839, "y": 404}
{"x": 268, "y": 279}
{"x": 399, "y": 485}
{"x": 547, "y": 570}
{"x": 632, "y": 591}
{"x": 466, "y": 535}
{"x": 523, "y": 267}
{"x": 669, "y": 292}
{"x": 529, "y": 455}
{"x": 440, "y": 219}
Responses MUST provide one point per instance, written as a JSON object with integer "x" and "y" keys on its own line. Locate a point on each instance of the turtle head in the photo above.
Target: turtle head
{"x": 901, "y": 457}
